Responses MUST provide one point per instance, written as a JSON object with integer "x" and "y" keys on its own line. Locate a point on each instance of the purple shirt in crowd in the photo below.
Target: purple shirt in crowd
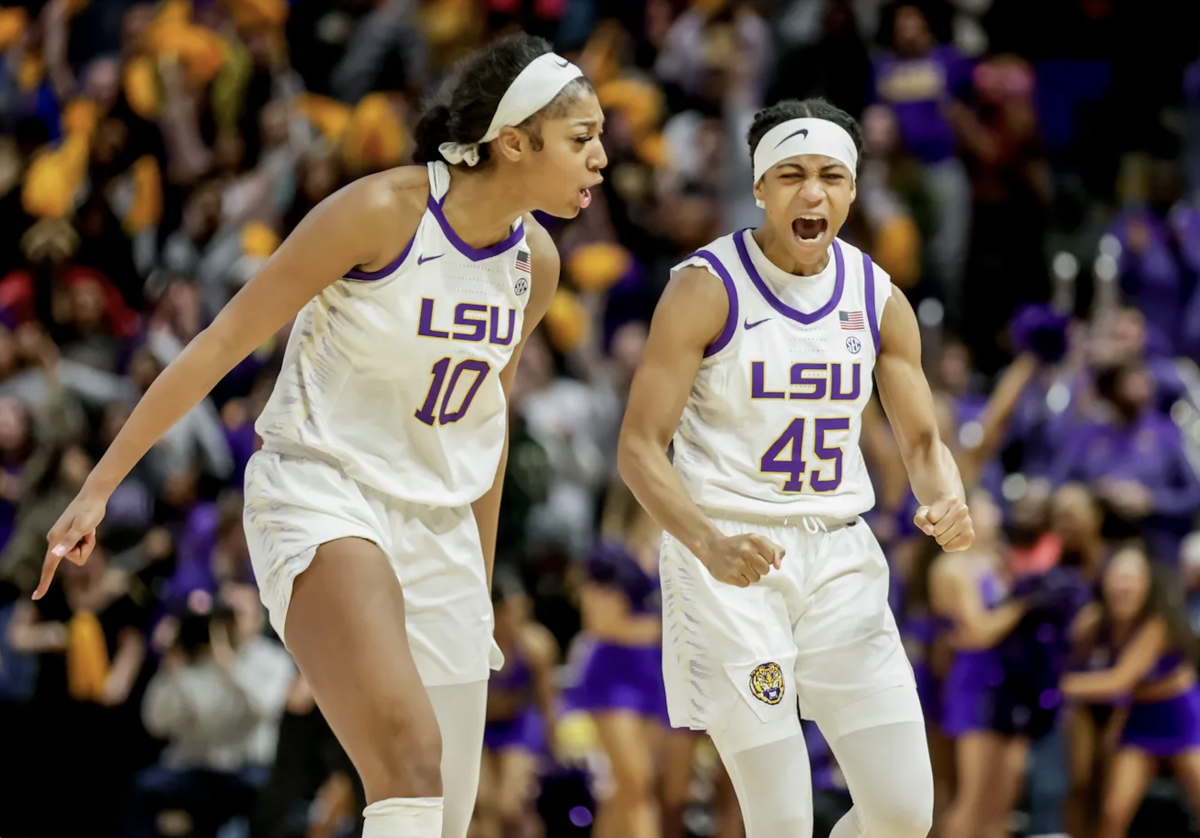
{"x": 916, "y": 89}
{"x": 1157, "y": 279}
{"x": 1150, "y": 452}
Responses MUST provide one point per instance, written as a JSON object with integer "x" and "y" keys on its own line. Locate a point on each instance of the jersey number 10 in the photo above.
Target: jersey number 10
{"x": 775, "y": 461}
{"x": 429, "y": 412}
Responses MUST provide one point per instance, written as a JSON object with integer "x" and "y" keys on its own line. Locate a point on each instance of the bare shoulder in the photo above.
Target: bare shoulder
{"x": 693, "y": 308}
{"x": 899, "y": 333}
{"x": 539, "y": 645}
{"x": 387, "y": 207}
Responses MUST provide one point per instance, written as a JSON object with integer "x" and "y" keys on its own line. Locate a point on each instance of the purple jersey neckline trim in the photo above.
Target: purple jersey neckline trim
{"x": 386, "y": 270}
{"x": 778, "y": 304}
{"x": 475, "y": 254}
{"x": 730, "y": 291}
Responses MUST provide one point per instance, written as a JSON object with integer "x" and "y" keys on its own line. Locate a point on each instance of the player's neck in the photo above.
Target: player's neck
{"x": 482, "y": 209}
{"x": 782, "y": 257}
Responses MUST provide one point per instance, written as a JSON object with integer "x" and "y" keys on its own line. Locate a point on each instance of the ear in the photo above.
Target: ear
{"x": 760, "y": 193}
{"x": 853, "y": 189}
{"x": 512, "y": 144}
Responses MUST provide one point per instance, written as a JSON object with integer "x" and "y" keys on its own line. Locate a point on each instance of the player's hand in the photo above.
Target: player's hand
{"x": 72, "y": 538}
{"x": 948, "y": 521}
{"x": 742, "y": 559}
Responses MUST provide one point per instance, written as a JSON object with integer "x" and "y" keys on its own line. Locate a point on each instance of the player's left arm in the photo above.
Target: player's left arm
{"x": 542, "y": 286}
{"x": 908, "y": 403}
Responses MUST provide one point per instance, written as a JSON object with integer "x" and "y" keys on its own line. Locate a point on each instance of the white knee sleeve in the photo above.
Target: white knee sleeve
{"x": 403, "y": 817}
{"x": 887, "y": 769}
{"x": 461, "y": 711}
{"x": 768, "y": 766}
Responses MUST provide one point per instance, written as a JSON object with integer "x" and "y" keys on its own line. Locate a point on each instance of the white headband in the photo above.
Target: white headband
{"x": 804, "y": 136}
{"x": 532, "y": 89}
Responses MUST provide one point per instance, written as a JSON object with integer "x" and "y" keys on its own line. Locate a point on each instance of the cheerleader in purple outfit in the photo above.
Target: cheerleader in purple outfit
{"x": 521, "y": 712}
{"x": 620, "y": 682}
{"x": 1154, "y": 672}
{"x": 969, "y": 590}
{"x": 927, "y": 643}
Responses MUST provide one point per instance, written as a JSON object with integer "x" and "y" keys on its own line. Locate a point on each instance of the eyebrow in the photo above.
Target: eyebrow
{"x": 824, "y": 168}
{"x": 588, "y": 123}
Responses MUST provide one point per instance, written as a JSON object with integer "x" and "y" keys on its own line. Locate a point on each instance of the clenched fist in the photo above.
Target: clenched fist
{"x": 742, "y": 559}
{"x": 949, "y": 522}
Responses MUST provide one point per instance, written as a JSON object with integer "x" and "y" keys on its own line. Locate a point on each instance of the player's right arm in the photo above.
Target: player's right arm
{"x": 359, "y": 226}
{"x": 689, "y": 318}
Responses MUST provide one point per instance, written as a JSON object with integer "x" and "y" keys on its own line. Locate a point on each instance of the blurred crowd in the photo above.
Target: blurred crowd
{"x": 1031, "y": 180}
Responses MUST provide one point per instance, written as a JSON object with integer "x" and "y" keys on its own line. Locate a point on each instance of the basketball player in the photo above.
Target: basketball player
{"x": 758, "y": 367}
{"x": 371, "y": 510}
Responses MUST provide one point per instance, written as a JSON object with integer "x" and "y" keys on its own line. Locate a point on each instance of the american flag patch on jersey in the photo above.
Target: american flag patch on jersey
{"x": 852, "y": 321}
{"x": 523, "y": 261}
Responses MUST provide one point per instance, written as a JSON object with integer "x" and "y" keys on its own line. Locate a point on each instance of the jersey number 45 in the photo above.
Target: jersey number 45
{"x": 786, "y": 455}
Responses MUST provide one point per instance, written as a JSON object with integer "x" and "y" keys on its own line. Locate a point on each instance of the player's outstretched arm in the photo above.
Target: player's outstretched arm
{"x": 908, "y": 403}
{"x": 349, "y": 229}
{"x": 689, "y": 317}
{"x": 543, "y": 285}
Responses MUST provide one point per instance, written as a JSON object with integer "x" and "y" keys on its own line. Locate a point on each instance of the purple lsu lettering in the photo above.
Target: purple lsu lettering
{"x": 809, "y": 382}
{"x": 473, "y": 322}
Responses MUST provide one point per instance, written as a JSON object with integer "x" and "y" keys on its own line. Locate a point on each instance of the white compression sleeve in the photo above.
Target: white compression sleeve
{"x": 890, "y": 779}
{"x": 404, "y": 817}
{"x": 768, "y": 766}
{"x": 461, "y": 711}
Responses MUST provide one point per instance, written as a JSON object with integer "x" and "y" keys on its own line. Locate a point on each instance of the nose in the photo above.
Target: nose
{"x": 599, "y": 157}
{"x": 813, "y": 191}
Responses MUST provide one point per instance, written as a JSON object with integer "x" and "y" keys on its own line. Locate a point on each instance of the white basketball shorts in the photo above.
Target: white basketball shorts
{"x": 294, "y": 504}
{"x": 818, "y": 632}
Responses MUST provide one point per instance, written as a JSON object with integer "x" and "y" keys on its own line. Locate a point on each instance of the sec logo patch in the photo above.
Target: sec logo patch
{"x": 853, "y": 345}
{"x": 766, "y": 683}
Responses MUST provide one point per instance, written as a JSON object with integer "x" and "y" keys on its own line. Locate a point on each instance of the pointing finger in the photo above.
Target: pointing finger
{"x": 48, "y": 568}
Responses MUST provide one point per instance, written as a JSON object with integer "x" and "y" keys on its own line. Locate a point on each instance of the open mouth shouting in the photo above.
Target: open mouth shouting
{"x": 809, "y": 229}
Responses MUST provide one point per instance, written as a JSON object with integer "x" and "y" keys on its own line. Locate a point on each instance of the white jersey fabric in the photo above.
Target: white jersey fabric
{"x": 395, "y": 374}
{"x": 771, "y": 428}
{"x": 768, "y": 444}
{"x": 386, "y": 423}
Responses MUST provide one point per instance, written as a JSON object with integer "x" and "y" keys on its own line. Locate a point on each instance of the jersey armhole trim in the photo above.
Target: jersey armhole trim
{"x": 872, "y": 314}
{"x": 386, "y": 270}
{"x": 731, "y": 320}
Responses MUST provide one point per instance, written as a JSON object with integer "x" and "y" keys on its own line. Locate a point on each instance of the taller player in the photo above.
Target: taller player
{"x": 371, "y": 510}
{"x": 758, "y": 367}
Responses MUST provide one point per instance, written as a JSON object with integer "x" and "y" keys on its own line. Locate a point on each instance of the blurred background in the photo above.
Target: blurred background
{"x": 1031, "y": 180}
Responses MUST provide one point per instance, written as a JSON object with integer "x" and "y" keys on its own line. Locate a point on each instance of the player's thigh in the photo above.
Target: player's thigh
{"x": 723, "y": 644}
{"x": 851, "y": 670}
{"x": 346, "y": 629}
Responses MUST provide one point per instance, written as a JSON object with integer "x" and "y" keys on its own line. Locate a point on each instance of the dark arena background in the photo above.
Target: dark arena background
{"x": 1031, "y": 180}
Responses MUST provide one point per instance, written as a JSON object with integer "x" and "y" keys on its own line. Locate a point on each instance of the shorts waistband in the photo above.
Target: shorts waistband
{"x": 812, "y": 524}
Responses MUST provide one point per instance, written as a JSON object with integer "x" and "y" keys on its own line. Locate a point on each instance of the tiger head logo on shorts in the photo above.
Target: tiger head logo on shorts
{"x": 766, "y": 683}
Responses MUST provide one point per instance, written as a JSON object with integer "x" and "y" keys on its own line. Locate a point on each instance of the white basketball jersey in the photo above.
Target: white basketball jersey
{"x": 771, "y": 427}
{"x": 395, "y": 374}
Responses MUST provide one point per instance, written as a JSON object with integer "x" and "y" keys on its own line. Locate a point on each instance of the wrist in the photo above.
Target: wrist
{"x": 702, "y": 541}
{"x": 98, "y": 486}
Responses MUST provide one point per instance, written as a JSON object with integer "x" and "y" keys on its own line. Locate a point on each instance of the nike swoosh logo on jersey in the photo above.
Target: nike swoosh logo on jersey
{"x": 748, "y": 325}
{"x": 421, "y": 260}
